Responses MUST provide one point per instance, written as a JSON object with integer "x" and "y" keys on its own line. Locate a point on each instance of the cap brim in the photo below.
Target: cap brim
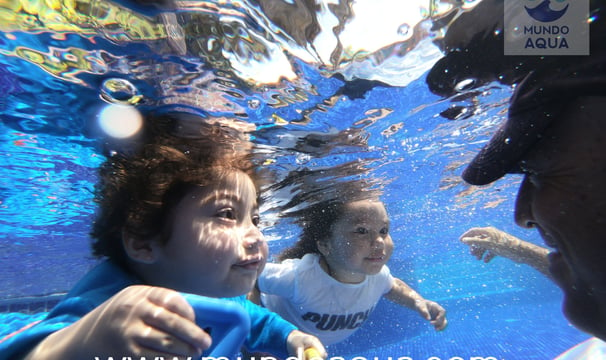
{"x": 533, "y": 107}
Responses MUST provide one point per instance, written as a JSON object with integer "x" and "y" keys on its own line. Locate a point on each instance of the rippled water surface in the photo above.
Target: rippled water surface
{"x": 320, "y": 85}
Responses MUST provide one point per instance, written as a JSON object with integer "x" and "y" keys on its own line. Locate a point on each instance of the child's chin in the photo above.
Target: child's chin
{"x": 240, "y": 289}
{"x": 374, "y": 270}
{"x": 234, "y": 293}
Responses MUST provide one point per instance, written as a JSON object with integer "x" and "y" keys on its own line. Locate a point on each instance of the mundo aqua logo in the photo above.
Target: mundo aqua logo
{"x": 546, "y": 27}
{"x": 544, "y": 13}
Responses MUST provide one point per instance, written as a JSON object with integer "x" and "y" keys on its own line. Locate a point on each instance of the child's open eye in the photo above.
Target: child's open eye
{"x": 361, "y": 230}
{"x": 256, "y": 219}
{"x": 384, "y": 231}
{"x": 227, "y": 214}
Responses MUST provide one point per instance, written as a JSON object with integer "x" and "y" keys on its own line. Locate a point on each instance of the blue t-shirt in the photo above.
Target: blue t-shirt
{"x": 268, "y": 331}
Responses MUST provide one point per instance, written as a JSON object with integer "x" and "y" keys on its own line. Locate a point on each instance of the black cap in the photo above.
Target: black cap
{"x": 535, "y": 104}
{"x": 474, "y": 46}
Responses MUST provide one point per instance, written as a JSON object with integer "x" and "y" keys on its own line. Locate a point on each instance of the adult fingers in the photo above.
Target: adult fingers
{"x": 172, "y": 301}
{"x": 476, "y": 233}
{"x": 159, "y": 343}
{"x": 177, "y": 327}
{"x": 477, "y": 251}
{"x": 489, "y": 256}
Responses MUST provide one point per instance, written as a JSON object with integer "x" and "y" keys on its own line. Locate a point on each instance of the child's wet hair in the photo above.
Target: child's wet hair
{"x": 138, "y": 189}
{"x": 317, "y": 220}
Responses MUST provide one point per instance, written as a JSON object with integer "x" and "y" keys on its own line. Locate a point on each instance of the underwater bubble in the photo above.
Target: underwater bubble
{"x": 254, "y": 103}
{"x": 119, "y": 91}
{"x": 120, "y": 121}
{"x": 424, "y": 12}
{"x": 403, "y": 29}
{"x": 465, "y": 84}
{"x": 212, "y": 44}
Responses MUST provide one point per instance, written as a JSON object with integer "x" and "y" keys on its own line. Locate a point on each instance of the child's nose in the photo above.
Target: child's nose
{"x": 378, "y": 241}
{"x": 253, "y": 238}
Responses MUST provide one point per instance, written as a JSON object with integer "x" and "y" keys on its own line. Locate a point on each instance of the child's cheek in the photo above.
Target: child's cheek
{"x": 219, "y": 243}
{"x": 388, "y": 246}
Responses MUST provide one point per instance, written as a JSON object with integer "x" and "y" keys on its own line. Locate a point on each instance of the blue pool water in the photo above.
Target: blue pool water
{"x": 55, "y": 70}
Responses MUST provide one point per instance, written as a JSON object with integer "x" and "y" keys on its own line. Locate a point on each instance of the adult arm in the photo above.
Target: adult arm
{"x": 488, "y": 242}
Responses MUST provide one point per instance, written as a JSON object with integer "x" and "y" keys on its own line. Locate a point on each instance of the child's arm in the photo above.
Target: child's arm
{"x": 270, "y": 333}
{"x": 404, "y": 295}
{"x": 138, "y": 321}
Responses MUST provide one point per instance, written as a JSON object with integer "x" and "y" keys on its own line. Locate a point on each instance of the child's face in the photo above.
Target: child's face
{"x": 215, "y": 248}
{"x": 360, "y": 243}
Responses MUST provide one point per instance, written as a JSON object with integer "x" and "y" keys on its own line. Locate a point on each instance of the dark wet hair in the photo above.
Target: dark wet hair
{"x": 321, "y": 203}
{"x": 316, "y": 223}
{"x": 138, "y": 188}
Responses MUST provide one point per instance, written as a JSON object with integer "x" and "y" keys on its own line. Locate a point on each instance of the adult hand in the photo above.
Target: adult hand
{"x": 138, "y": 321}
{"x": 488, "y": 242}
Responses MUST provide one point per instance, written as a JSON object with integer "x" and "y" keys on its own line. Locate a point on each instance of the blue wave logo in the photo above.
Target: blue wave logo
{"x": 544, "y": 13}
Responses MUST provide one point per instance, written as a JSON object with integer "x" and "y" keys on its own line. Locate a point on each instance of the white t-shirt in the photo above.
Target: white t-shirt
{"x": 592, "y": 349}
{"x": 305, "y": 295}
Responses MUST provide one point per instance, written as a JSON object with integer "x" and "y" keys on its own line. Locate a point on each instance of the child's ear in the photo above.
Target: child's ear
{"x": 140, "y": 249}
{"x": 323, "y": 247}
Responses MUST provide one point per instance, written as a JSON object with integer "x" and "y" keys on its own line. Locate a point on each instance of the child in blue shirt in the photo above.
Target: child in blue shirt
{"x": 177, "y": 213}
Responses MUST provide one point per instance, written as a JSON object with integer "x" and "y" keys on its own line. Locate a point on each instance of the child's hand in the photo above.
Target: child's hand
{"x": 138, "y": 321}
{"x": 298, "y": 341}
{"x": 432, "y": 312}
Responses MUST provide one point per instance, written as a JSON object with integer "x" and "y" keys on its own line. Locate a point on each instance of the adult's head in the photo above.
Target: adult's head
{"x": 555, "y": 136}
{"x": 563, "y": 196}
